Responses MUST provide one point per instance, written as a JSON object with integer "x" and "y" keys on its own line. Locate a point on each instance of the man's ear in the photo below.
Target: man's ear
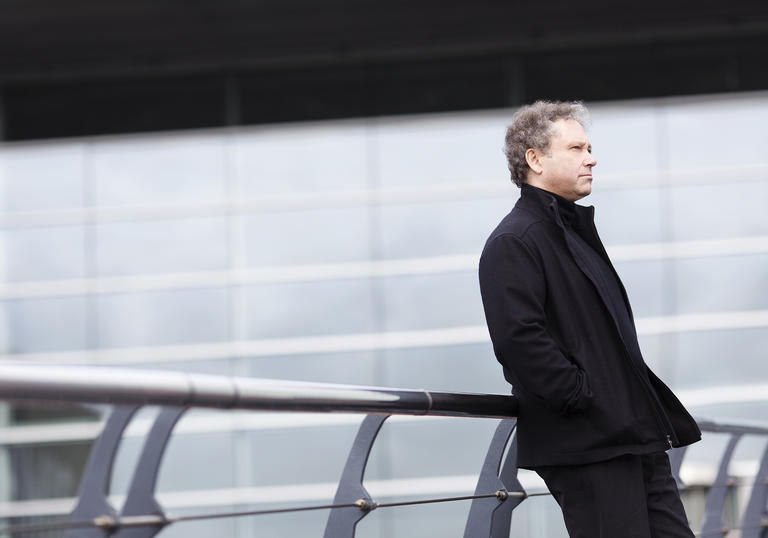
{"x": 532, "y": 158}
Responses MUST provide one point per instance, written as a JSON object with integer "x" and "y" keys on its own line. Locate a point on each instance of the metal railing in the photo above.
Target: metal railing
{"x": 498, "y": 490}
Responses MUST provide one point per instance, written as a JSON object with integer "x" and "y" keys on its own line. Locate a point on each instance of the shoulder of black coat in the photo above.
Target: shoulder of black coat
{"x": 519, "y": 223}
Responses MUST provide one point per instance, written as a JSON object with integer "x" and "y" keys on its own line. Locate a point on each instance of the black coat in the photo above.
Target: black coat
{"x": 584, "y": 396}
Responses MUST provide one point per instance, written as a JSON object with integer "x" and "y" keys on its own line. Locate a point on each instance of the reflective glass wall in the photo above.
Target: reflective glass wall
{"x": 346, "y": 252}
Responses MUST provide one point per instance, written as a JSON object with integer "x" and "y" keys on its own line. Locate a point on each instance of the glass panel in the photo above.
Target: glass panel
{"x": 314, "y": 236}
{"x": 627, "y": 215}
{"x": 209, "y": 454}
{"x": 200, "y": 244}
{"x": 298, "y": 456}
{"x": 736, "y": 413}
{"x": 45, "y": 253}
{"x": 302, "y": 158}
{"x": 441, "y": 228}
{"x": 47, "y": 471}
{"x": 42, "y": 412}
{"x": 308, "y": 308}
{"x": 721, "y": 283}
{"x": 353, "y": 368}
{"x": 658, "y": 355}
{"x": 156, "y": 169}
{"x": 159, "y": 318}
{"x": 38, "y": 325}
{"x": 695, "y": 285}
{"x": 636, "y": 149}
{"x": 459, "y": 368}
{"x": 723, "y": 357}
{"x": 441, "y": 148}
{"x": 661, "y": 354}
{"x": 701, "y": 129}
{"x": 719, "y": 210}
{"x": 42, "y": 176}
{"x": 431, "y": 301}
{"x": 422, "y": 448}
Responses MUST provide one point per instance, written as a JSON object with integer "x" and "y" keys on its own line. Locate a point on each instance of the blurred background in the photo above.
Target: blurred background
{"x": 301, "y": 190}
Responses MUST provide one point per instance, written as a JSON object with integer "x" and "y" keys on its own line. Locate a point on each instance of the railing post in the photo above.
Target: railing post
{"x": 94, "y": 485}
{"x": 342, "y": 521}
{"x": 140, "y": 500}
{"x": 714, "y": 523}
{"x": 753, "y": 524}
{"x": 491, "y": 517}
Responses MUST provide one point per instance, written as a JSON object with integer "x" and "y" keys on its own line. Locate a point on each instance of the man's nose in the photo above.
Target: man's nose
{"x": 590, "y": 160}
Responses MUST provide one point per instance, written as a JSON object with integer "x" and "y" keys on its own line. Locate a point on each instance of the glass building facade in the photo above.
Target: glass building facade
{"x": 346, "y": 252}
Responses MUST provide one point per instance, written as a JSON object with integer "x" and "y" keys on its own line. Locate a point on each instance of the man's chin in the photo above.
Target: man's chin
{"x": 585, "y": 191}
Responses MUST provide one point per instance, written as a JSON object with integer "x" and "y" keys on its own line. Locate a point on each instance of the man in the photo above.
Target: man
{"x": 594, "y": 421}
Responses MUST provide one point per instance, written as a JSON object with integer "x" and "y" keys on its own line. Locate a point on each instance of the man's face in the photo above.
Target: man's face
{"x": 567, "y": 168}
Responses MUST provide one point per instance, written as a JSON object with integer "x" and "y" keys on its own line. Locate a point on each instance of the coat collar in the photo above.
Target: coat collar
{"x": 544, "y": 204}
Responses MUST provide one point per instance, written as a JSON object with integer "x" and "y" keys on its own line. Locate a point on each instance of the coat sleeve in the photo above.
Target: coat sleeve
{"x": 513, "y": 288}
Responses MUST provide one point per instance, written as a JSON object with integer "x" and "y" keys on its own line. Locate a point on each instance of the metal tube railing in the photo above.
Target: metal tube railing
{"x": 497, "y": 493}
{"x": 126, "y": 386}
{"x": 129, "y": 390}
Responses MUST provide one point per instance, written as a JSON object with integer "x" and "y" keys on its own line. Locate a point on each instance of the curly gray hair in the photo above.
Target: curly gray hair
{"x": 532, "y": 127}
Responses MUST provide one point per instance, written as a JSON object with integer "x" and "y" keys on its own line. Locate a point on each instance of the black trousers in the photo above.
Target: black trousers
{"x": 625, "y": 497}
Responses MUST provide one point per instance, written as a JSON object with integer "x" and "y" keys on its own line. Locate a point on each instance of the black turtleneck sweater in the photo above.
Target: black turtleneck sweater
{"x": 602, "y": 276}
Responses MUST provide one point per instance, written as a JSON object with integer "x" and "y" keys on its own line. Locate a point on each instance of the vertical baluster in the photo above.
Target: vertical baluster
{"x": 342, "y": 521}
{"x": 753, "y": 524}
{"x": 491, "y": 517}
{"x": 714, "y": 524}
{"x": 94, "y": 485}
{"x": 502, "y": 516}
{"x": 140, "y": 500}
